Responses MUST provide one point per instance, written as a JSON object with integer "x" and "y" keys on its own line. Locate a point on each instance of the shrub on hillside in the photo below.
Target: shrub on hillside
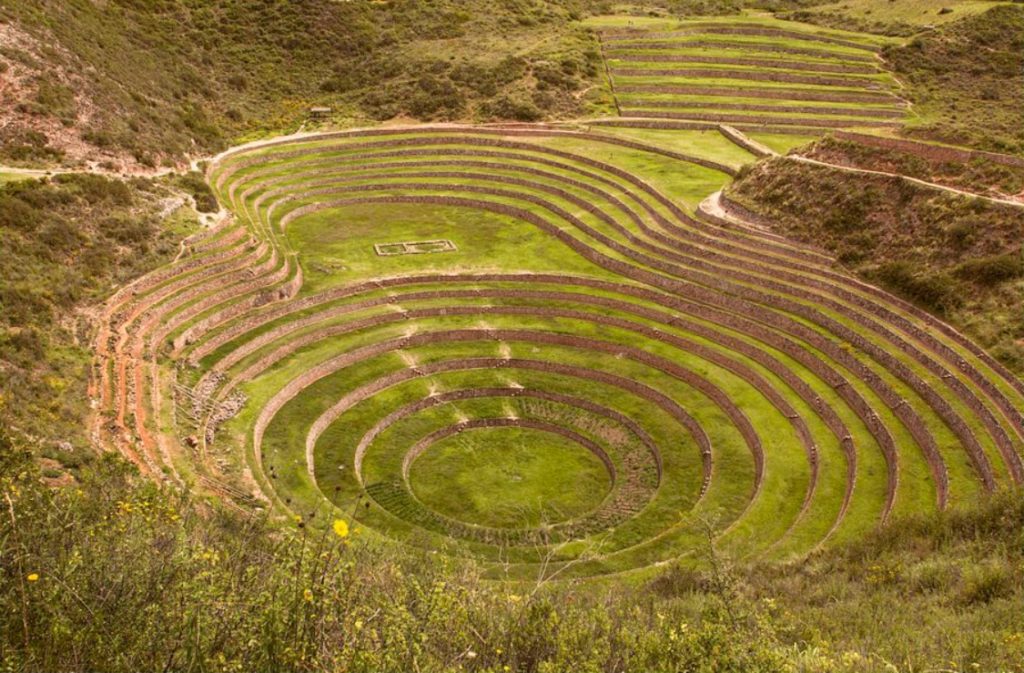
{"x": 436, "y": 97}
{"x": 55, "y": 98}
{"x": 513, "y": 107}
{"x": 936, "y": 292}
{"x": 991, "y": 270}
{"x": 195, "y": 183}
{"x": 25, "y": 145}
{"x": 985, "y": 583}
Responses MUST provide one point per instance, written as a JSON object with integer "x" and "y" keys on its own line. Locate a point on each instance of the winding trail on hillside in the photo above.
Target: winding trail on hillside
{"x": 917, "y": 181}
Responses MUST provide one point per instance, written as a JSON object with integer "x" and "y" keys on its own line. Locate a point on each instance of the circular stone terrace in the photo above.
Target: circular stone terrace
{"x": 561, "y": 360}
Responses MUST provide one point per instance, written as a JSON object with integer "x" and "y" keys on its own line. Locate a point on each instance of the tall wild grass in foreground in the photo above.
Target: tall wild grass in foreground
{"x": 109, "y": 574}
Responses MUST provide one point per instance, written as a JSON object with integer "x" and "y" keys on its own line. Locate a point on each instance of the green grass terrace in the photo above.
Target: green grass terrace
{"x": 750, "y": 72}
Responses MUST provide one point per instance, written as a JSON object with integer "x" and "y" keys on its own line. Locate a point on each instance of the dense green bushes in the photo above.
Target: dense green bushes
{"x": 992, "y": 270}
{"x": 938, "y": 293}
{"x": 25, "y": 145}
{"x": 195, "y": 184}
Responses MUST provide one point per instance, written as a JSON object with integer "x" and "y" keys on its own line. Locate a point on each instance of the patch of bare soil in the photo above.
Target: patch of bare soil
{"x": 54, "y": 474}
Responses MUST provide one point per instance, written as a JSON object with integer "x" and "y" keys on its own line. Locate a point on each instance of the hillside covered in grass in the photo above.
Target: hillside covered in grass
{"x": 958, "y": 257}
{"x": 137, "y": 84}
{"x": 67, "y": 241}
{"x": 903, "y": 18}
{"x": 969, "y": 171}
{"x": 966, "y": 80}
{"x": 146, "y": 82}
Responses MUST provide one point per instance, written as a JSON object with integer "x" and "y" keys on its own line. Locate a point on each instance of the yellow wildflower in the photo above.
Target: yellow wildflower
{"x": 33, "y": 577}
{"x": 308, "y": 595}
{"x": 341, "y": 528}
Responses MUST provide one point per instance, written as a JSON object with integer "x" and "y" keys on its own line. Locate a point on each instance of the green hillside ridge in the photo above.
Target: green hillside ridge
{"x": 980, "y": 174}
{"x": 68, "y": 241}
{"x": 136, "y": 84}
{"x": 152, "y": 81}
{"x": 899, "y": 18}
{"x": 966, "y": 80}
{"x": 886, "y": 17}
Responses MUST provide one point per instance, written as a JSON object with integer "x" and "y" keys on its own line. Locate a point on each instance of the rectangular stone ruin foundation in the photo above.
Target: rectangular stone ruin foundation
{"x": 414, "y": 247}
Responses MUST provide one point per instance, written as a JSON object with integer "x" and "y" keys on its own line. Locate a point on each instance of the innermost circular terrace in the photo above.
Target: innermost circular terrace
{"x": 510, "y": 476}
